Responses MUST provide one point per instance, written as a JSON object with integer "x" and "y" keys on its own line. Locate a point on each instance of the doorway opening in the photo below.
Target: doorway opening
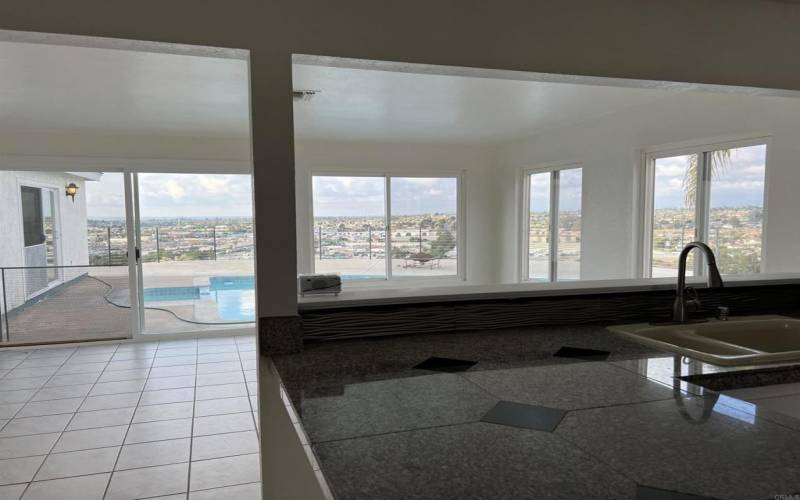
{"x": 125, "y": 190}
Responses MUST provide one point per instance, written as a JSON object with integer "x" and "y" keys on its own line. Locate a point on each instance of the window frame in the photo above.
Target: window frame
{"x": 554, "y": 169}
{"x": 646, "y": 210}
{"x": 387, "y": 175}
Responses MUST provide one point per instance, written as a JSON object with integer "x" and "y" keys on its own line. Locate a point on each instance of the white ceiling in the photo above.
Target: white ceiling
{"x": 100, "y": 90}
{"x": 367, "y": 104}
{"x": 67, "y": 88}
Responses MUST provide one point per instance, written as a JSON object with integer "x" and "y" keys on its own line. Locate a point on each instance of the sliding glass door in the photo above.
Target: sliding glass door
{"x": 122, "y": 254}
{"x": 194, "y": 248}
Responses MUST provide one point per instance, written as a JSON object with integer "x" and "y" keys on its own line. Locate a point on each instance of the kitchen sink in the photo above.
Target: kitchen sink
{"x": 737, "y": 341}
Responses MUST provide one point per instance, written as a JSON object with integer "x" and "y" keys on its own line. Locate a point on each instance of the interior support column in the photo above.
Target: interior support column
{"x": 279, "y": 327}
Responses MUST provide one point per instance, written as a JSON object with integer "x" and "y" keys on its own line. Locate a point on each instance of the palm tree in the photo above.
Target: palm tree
{"x": 720, "y": 159}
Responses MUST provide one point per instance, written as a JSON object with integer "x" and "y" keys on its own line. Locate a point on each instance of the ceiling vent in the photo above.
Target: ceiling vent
{"x": 303, "y": 95}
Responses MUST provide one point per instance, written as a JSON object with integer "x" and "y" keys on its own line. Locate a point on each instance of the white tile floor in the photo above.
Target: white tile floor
{"x": 169, "y": 420}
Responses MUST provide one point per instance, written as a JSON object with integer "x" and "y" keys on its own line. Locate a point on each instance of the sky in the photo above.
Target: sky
{"x": 740, "y": 183}
{"x": 569, "y": 193}
{"x": 364, "y": 196}
{"x": 173, "y": 195}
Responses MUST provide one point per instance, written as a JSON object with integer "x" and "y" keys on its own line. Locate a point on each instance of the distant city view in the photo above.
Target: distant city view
{"x": 420, "y": 244}
{"x": 173, "y": 239}
{"x": 569, "y": 245}
{"x": 350, "y": 219}
{"x": 424, "y": 229}
{"x": 734, "y": 235}
{"x": 733, "y": 204}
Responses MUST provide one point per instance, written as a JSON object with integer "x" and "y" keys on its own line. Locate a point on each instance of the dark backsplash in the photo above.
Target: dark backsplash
{"x": 595, "y": 309}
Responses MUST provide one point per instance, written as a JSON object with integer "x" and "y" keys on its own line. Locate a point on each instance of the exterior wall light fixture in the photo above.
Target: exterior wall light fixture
{"x": 71, "y": 190}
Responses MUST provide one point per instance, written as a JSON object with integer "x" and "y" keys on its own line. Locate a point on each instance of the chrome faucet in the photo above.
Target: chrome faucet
{"x": 681, "y": 307}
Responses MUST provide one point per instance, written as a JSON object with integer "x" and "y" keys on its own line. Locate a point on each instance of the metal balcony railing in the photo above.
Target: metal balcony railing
{"x": 108, "y": 245}
{"x": 61, "y": 303}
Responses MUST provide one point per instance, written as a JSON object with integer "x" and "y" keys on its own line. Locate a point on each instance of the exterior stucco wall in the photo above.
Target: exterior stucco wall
{"x": 72, "y": 227}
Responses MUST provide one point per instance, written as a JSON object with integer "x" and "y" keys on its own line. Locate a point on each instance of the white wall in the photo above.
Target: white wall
{"x": 73, "y": 247}
{"x": 480, "y": 188}
{"x": 94, "y": 150}
{"x": 610, "y": 149}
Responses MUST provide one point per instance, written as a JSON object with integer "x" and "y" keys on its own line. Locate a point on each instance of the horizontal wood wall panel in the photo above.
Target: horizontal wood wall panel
{"x": 598, "y": 309}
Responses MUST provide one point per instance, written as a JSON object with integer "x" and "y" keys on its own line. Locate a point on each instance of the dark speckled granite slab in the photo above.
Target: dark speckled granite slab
{"x": 394, "y": 405}
{"x": 569, "y": 386}
{"x": 352, "y": 361}
{"x": 659, "y": 445}
{"x": 383, "y": 429}
{"x": 471, "y": 461}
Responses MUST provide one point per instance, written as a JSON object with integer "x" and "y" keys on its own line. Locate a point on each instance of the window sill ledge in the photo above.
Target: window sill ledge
{"x": 455, "y": 291}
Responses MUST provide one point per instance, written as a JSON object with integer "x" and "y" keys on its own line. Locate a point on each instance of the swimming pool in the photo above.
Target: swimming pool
{"x": 235, "y": 296}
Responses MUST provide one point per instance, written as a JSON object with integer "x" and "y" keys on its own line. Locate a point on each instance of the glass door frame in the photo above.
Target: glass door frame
{"x": 133, "y": 233}
{"x": 138, "y": 325}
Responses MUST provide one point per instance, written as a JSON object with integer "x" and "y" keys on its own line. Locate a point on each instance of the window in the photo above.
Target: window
{"x": 350, "y": 226}
{"x": 711, "y": 194}
{"x": 386, "y": 227}
{"x": 552, "y": 241}
{"x": 32, "y": 216}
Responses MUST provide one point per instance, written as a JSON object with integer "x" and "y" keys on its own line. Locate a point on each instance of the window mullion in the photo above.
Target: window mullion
{"x": 525, "y": 273}
{"x": 649, "y": 214}
{"x": 387, "y": 224}
{"x": 553, "y": 272}
{"x": 702, "y": 207}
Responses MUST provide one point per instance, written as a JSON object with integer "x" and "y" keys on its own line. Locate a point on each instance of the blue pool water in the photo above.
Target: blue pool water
{"x": 235, "y": 296}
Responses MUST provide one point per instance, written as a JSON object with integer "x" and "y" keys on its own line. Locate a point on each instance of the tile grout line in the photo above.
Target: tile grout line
{"x": 61, "y": 434}
{"x": 98, "y": 382}
{"x": 249, "y": 401}
{"x": 191, "y": 430}
{"x": 125, "y": 392}
{"x": 126, "y": 407}
{"x": 207, "y": 489}
{"x": 35, "y": 392}
{"x": 400, "y": 431}
{"x": 147, "y": 467}
{"x": 141, "y": 442}
{"x": 594, "y": 457}
{"x": 127, "y": 430}
{"x": 462, "y": 376}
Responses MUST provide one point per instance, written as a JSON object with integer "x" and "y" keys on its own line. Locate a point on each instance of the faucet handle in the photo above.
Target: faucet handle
{"x": 693, "y": 304}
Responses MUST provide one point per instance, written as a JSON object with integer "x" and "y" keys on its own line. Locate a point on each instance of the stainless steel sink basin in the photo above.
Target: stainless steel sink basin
{"x": 738, "y": 341}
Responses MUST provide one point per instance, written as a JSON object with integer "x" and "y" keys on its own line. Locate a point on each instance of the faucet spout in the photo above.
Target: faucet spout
{"x": 714, "y": 279}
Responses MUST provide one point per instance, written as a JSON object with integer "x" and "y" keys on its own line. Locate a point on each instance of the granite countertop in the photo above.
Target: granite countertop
{"x": 513, "y": 415}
